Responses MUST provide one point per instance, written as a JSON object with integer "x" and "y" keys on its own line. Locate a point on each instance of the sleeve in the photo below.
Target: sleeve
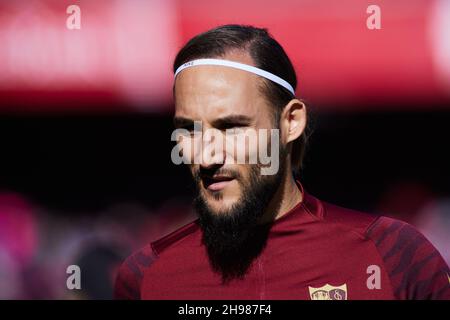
{"x": 130, "y": 275}
{"x": 416, "y": 269}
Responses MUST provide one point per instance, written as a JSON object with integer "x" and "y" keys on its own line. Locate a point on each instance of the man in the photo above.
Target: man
{"x": 261, "y": 236}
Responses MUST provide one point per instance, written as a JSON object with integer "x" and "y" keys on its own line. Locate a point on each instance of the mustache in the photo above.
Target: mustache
{"x": 208, "y": 173}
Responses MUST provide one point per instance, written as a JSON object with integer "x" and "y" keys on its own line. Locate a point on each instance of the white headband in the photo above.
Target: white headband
{"x": 237, "y": 65}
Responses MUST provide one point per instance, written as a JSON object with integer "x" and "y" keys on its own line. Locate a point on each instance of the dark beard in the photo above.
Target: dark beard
{"x": 233, "y": 239}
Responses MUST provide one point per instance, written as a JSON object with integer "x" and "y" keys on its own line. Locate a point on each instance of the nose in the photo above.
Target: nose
{"x": 213, "y": 150}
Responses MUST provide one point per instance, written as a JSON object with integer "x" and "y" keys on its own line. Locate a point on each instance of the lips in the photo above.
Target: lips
{"x": 217, "y": 182}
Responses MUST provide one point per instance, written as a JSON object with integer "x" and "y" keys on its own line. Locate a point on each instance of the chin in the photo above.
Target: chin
{"x": 220, "y": 205}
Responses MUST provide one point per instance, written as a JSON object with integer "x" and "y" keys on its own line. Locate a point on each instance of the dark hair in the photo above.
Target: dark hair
{"x": 266, "y": 53}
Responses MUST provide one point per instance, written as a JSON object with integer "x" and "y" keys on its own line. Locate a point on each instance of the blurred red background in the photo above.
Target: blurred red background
{"x": 121, "y": 57}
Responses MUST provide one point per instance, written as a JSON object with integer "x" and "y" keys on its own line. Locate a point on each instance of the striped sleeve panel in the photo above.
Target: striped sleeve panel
{"x": 131, "y": 272}
{"x": 416, "y": 269}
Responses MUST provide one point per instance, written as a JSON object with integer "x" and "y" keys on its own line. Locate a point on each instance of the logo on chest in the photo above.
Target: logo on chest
{"x": 328, "y": 292}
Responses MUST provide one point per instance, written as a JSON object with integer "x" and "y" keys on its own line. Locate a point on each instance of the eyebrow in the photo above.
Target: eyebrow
{"x": 220, "y": 123}
{"x": 238, "y": 119}
{"x": 182, "y": 122}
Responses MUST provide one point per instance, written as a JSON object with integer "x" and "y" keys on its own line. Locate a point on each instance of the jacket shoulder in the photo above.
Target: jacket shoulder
{"x": 415, "y": 267}
{"x": 174, "y": 237}
{"x": 354, "y": 220}
{"x": 131, "y": 272}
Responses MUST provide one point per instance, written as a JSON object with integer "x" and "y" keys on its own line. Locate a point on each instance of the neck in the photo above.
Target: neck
{"x": 287, "y": 197}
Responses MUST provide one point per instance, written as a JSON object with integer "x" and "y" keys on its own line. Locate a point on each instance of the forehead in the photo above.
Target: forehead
{"x": 214, "y": 91}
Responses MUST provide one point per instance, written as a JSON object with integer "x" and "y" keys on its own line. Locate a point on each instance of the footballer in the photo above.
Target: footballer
{"x": 263, "y": 236}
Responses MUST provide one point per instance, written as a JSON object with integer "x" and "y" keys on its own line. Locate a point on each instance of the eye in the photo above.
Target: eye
{"x": 233, "y": 126}
{"x": 191, "y": 128}
{"x": 234, "y": 130}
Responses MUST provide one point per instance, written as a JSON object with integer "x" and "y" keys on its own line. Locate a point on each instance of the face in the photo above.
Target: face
{"x": 232, "y": 196}
{"x": 225, "y": 101}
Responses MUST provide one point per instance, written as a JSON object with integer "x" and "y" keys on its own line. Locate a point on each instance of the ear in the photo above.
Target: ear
{"x": 293, "y": 120}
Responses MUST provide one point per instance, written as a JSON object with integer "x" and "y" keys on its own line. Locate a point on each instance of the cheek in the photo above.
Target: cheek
{"x": 244, "y": 175}
{"x": 242, "y": 148}
{"x": 194, "y": 169}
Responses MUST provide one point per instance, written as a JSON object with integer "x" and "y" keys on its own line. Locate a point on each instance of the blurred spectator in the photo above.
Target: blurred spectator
{"x": 403, "y": 200}
{"x": 99, "y": 265}
{"x": 434, "y": 222}
{"x": 18, "y": 243}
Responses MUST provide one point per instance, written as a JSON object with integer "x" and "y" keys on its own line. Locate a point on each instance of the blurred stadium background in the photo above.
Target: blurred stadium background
{"x": 85, "y": 123}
